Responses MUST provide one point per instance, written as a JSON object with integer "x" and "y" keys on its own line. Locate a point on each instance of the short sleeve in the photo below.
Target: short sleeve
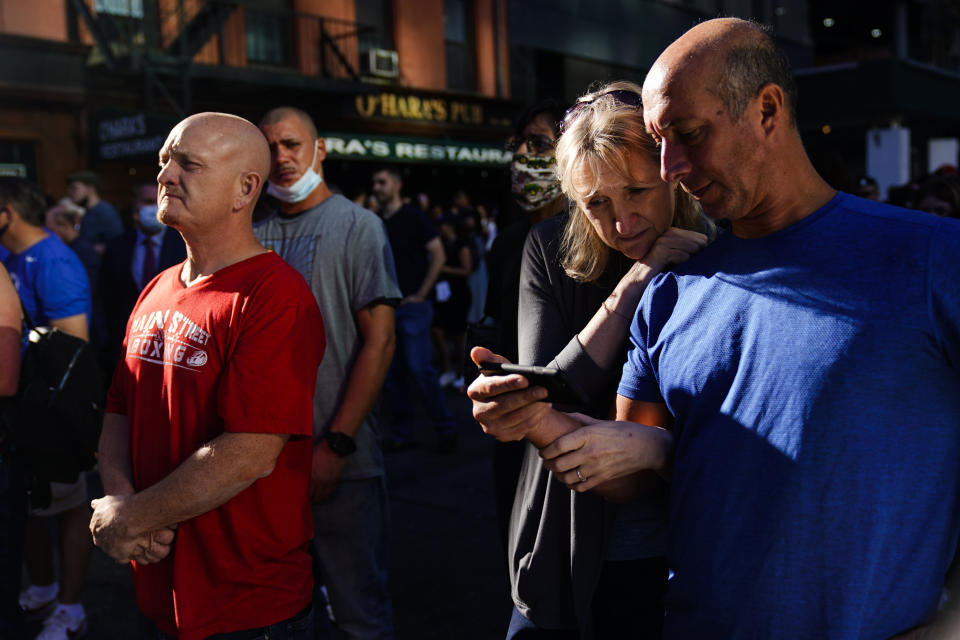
{"x": 944, "y": 290}
{"x": 374, "y": 272}
{"x": 269, "y": 380}
{"x": 428, "y": 231}
{"x": 638, "y": 380}
{"x": 62, "y": 288}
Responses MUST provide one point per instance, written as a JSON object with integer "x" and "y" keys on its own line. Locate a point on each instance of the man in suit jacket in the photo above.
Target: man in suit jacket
{"x": 127, "y": 267}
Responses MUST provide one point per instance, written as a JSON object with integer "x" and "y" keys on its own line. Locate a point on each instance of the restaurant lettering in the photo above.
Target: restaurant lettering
{"x": 404, "y": 107}
{"x": 360, "y": 147}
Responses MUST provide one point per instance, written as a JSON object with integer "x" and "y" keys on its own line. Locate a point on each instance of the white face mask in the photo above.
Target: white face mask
{"x": 147, "y": 217}
{"x": 299, "y": 190}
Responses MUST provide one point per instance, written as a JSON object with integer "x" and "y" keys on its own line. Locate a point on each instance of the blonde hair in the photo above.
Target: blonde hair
{"x": 601, "y": 133}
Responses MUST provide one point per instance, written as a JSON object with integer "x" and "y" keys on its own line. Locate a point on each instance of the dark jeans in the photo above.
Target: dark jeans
{"x": 352, "y": 547}
{"x": 412, "y": 362}
{"x": 299, "y": 627}
{"x": 13, "y": 520}
{"x": 627, "y": 605}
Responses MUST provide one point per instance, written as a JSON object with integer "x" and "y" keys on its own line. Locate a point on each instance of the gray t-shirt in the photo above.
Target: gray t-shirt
{"x": 343, "y": 252}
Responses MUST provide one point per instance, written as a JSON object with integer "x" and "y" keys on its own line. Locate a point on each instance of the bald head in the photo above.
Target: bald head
{"x": 235, "y": 141}
{"x": 212, "y": 165}
{"x": 732, "y": 58}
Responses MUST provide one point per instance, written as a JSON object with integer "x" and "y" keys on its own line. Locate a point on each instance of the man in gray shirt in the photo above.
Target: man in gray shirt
{"x": 343, "y": 252}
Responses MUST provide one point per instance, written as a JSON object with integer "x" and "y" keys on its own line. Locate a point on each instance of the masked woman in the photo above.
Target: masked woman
{"x": 582, "y": 566}
{"x": 535, "y": 191}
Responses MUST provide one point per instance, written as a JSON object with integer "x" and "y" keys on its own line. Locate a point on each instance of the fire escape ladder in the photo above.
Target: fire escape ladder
{"x": 326, "y": 41}
{"x": 208, "y": 22}
{"x": 103, "y": 44}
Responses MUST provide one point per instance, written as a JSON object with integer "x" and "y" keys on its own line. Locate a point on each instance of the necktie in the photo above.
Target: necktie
{"x": 149, "y": 262}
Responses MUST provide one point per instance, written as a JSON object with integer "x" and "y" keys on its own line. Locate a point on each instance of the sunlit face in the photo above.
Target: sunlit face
{"x": 292, "y": 150}
{"x": 714, "y": 157}
{"x": 628, "y": 214}
{"x": 197, "y": 185}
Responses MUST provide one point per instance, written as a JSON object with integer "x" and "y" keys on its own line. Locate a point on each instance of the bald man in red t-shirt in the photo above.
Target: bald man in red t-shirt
{"x": 206, "y": 447}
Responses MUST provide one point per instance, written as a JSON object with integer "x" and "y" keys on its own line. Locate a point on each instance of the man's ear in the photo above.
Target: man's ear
{"x": 321, "y": 152}
{"x": 250, "y": 183}
{"x": 772, "y": 107}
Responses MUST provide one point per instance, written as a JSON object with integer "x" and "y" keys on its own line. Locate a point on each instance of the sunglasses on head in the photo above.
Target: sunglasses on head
{"x": 536, "y": 143}
{"x": 622, "y": 96}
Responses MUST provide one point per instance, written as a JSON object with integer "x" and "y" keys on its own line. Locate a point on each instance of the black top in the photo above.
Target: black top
{"x": 409, "y": 231}
{"x": 558, "y": 538}
{"x": 503, "y": 289}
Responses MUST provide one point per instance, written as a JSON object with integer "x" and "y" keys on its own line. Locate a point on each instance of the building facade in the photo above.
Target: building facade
{"x": 433, "y": 85}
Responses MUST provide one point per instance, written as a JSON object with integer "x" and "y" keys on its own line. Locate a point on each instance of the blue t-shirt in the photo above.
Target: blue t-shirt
{"x": 51, "y": 281}
{"x": 813, "y": 379}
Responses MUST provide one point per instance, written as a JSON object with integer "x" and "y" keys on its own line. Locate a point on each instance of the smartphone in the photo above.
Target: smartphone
{"x": 560, "y": 389}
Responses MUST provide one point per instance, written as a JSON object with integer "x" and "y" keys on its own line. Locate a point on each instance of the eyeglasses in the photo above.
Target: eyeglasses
{"x": 623, "y": 96}
{"x": 536, "y": 143}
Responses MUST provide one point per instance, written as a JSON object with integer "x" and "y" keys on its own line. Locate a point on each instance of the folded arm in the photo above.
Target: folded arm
{"x": 212, "y": 475}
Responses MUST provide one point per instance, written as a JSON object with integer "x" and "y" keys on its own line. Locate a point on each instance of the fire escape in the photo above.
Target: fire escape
{"x": 166, "y": 41}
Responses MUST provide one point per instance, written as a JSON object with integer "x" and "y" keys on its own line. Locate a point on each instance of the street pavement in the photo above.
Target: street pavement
{"x": 447, "y": 574}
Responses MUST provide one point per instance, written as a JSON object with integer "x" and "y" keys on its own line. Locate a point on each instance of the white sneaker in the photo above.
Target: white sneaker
{"x": 446, "y": 378}
{"x": 60, "y": 625}
{"x": 35, "y": 607}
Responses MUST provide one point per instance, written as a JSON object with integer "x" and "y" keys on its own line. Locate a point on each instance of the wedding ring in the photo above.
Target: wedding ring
{"x": 580, "y": 475}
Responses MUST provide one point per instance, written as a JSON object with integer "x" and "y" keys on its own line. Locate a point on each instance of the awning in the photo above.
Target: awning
{"x": 437, "y": 151}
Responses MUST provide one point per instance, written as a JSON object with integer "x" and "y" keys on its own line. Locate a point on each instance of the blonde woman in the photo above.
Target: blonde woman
{"x": 582, "y": 566}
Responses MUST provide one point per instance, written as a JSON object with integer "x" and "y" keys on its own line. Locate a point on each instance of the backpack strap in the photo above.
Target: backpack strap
{"x": 26, "y": 316}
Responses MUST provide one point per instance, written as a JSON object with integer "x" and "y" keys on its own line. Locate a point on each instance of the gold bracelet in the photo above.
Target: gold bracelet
{"x": 614, "y": 312}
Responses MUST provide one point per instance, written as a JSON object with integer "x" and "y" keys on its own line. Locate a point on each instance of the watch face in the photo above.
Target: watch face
{"x": 341, "y": 443}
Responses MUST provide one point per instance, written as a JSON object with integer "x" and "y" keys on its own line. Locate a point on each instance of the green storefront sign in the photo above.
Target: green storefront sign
{"x": 348, "y": 146}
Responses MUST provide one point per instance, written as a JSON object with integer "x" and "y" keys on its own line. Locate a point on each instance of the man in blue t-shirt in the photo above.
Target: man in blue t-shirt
{"x": 53, "y": 285}
{"x": 806, "y": 363}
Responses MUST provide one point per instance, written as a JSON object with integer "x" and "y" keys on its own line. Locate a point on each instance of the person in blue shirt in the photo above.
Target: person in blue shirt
{"x": 53, "y": 285}
{"x": 807, "y": 365}
{"x": 101, "y": 222}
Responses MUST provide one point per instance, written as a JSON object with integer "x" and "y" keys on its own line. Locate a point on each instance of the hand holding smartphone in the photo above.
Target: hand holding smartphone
{"x": 560, "y": 389}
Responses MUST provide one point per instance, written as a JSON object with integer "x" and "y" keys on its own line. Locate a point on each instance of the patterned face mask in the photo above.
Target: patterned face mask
{"x": 533, "y": 180}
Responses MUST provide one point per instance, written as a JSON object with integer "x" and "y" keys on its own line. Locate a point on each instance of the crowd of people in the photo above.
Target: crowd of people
{"x": 768, "y": 439}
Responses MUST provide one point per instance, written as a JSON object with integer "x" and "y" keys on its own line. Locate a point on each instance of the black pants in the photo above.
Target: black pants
{"x": 627, "y": 605}
{"x": 628, "y": 602}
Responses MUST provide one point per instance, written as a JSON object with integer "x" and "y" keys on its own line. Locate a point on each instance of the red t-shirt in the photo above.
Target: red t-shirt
{"x": 236, "y": 352}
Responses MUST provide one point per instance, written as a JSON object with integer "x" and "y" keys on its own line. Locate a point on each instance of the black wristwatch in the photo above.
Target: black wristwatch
{"x": 340, "y": 443}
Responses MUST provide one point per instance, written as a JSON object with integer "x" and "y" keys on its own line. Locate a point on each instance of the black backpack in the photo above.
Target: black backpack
{"x": 54, "y": 420}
